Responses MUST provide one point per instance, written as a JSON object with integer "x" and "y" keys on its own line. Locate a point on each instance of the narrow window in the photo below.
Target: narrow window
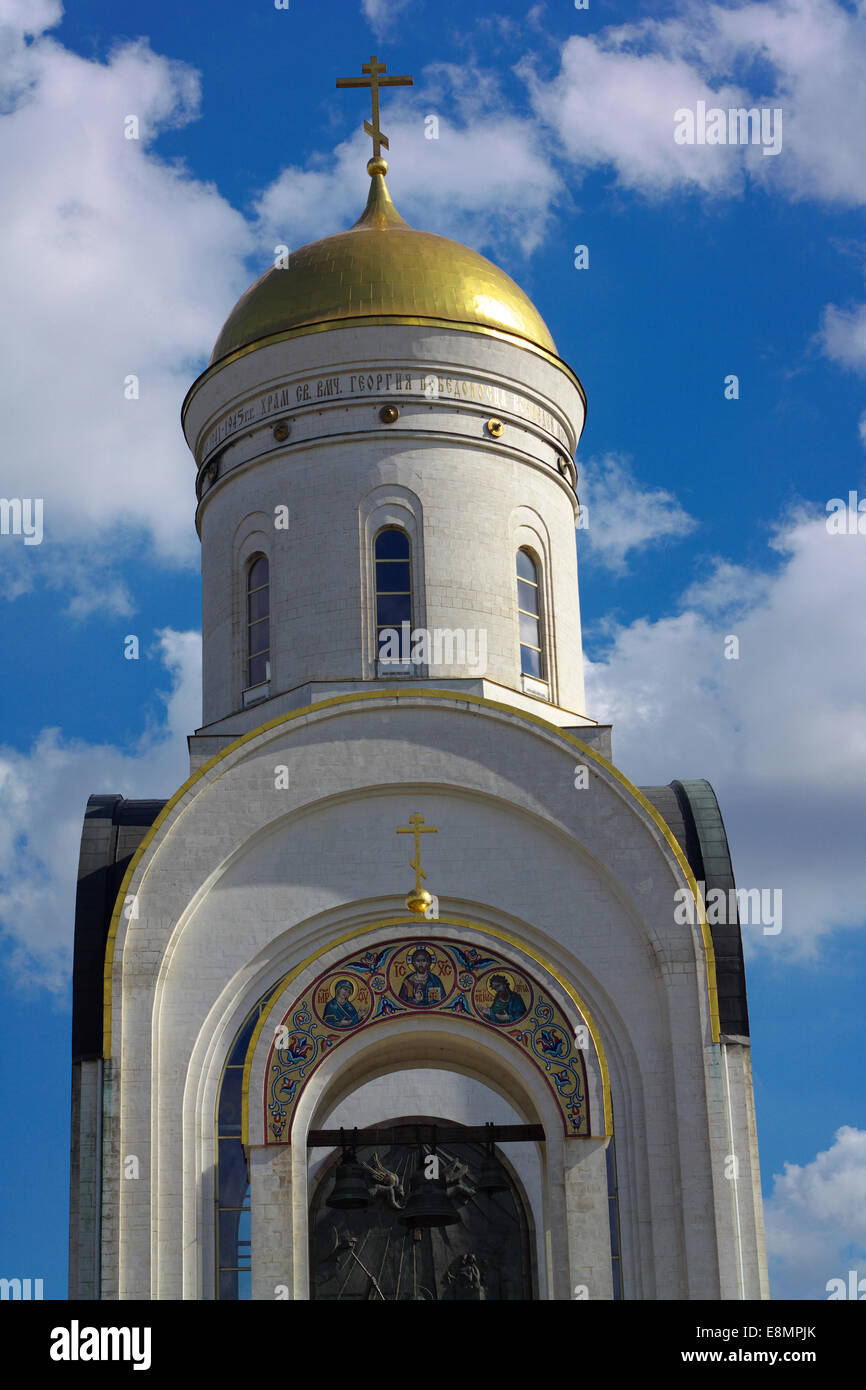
{"x": 393, "y": 586}
{"x": 529, "y": 614}
{"x": 232, "y": 1189}
{"x": 258, "y": 622}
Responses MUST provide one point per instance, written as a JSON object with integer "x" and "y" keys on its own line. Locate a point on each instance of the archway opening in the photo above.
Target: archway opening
{"x": 488, "y": 1254}
{"x": 485, "y": 1254}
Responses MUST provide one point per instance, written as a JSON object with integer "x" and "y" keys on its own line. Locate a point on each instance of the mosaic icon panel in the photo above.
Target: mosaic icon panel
{"x": 424, "y": 975}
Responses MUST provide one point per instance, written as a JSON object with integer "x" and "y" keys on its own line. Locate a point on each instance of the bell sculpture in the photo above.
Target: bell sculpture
{"x": 350, "y": 1191}
{"x": 492, "y": 1176}
{"x": 428, "y": 1203}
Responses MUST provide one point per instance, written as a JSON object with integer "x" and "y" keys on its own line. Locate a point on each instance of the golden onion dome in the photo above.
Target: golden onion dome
{"x": 381, "y": 268}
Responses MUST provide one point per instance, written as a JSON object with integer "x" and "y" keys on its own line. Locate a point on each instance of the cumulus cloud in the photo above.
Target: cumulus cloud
{"x": 612, "y": 103}
{"x": 843, "y": 335}
{"x": 44, "y": 792}
{"x": 113, "y": 264}
{"x": 27, "y": 17}
{"x": 86, "y": 576}
{"x": 623, "y": 517}
{"x": 816, "y": 1219}
{"x": 780, "y": 731}
{"x": 381, "y": 14}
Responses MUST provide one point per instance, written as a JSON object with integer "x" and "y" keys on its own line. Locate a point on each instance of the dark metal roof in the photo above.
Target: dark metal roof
{"x": 113, "y": 830}
{"x": 692, "y": 812}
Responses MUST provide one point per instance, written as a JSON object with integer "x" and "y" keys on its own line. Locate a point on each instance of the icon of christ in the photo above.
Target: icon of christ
{"x": 422, "y": 986}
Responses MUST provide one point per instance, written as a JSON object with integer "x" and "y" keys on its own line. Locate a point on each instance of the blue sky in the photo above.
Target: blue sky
{"x": 707, "y": 515}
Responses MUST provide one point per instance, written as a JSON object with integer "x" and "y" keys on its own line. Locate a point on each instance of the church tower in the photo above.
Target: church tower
{"x": 407, "y": 992}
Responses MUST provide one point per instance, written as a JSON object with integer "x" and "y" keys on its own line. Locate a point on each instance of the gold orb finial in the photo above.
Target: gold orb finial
{"x": 377, "y": 165}
{"x": 418, "y": 901}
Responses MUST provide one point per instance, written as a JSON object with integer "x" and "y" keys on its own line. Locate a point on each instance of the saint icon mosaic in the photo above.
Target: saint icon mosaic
{"x": 423, "y": 976}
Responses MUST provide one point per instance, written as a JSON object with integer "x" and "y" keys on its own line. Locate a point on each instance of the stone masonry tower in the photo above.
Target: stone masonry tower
{"x": 386, "y": 378}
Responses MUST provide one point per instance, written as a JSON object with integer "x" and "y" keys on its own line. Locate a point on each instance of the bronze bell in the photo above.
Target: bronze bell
{"x": 350, "y": 1191}
{"x": 491, "y": 1177}
{"x": 428, "y": 1203}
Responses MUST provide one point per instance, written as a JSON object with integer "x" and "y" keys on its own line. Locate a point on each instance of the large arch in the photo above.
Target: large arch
{"x": 597, "y": 852}
{"x": 264, "y": 986}
{"x": 575, "y": 1211}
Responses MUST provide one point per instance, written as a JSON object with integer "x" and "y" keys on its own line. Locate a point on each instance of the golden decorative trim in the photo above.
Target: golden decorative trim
{"x": 384, "y": 695}
{"x": 466, "y": 924}
{"x": 379, "y": 320}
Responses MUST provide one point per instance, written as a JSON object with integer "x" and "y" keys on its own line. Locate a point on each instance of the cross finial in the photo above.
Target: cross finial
{"x": 374, "y": 82}
{"x": 414, "y": 827}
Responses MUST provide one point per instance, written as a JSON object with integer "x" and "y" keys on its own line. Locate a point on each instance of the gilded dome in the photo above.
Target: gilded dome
{"x": 383, "y": 269}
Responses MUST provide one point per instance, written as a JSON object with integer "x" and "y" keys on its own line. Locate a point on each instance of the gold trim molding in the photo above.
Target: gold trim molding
{"x": 378, "y": 320}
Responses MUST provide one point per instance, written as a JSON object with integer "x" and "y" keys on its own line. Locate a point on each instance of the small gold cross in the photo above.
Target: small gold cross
{"x": 414, "y": 827}
{"x": 374, "y": 82}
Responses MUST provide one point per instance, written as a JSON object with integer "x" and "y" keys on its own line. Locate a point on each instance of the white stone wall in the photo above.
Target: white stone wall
{"x": 84, "y": 1180}
{"x": 468, "y": 499}
{"x": 243, "y": 883}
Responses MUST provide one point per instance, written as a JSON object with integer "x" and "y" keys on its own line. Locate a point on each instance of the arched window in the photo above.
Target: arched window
{"x": 232, "y": 1194}
{"x": 393, "y": 586}
{"x": 258, "y": 621}
{"x": 529, "y": 614}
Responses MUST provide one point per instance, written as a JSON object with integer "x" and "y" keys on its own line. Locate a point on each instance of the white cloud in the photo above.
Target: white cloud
{"x": 482, "y": 181}
{"x": 613, "y": 101}
{"x": 44, "y": 793}
{"x": 28, "y": 17}
{"x": 622, "y": 516}
{"x": 381, "y": 14}
{"x": 843, "y": 335}
{"x": 816, "y": 1219}
{"x": 85, "y": 575}
{"x": 116, "y": 263}
{"x": 611, "y": 105}
{"x": 780, "y": 732}
{"x": 112, "y": 263}
{"x": 817, "y": 49}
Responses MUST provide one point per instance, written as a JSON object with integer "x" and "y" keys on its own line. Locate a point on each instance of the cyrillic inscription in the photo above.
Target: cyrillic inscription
{"x": 355, "y": 385}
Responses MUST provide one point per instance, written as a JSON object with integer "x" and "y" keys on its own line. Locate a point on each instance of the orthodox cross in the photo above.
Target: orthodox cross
{"x": 415, "y": 828}
{"x": 374, "y": 82}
